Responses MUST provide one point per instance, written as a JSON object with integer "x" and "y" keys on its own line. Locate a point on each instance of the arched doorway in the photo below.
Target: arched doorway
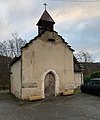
{"x": 49, "y": 85}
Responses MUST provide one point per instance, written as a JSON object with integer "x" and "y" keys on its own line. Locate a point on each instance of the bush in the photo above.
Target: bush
{"x": 87, "y": 78}
{"x": 95, "y": 74}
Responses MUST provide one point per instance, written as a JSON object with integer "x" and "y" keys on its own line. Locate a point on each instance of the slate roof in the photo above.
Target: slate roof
{"x": 77, "y": 66}
{"x": 15, "y": 59}
{"x": 46, "y": 17}
{"x": 39, "y": 35}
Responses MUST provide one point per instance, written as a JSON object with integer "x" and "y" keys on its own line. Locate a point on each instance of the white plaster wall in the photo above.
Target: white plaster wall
{"x": 16, "y": 79}
{"x": 78, "y": 79}
{"x": 41, "y": 56}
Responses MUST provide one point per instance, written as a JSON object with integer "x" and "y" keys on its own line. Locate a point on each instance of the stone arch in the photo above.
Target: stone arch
{"x": 56, "y": 82}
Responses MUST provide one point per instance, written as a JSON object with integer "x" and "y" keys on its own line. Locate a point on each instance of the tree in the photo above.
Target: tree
{"x": 95, "y": 74}
{"x": 83, "y": 56}
{"x": 4, "y": 72}
{"x": 12, "y": 47}
{"x": 87, "y": 78}
{"x": 9, "y": 49}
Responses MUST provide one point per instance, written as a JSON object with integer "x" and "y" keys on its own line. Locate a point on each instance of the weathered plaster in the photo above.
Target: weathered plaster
{"x": 42, "y": 56}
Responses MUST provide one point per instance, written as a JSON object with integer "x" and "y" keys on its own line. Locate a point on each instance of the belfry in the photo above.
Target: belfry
{"x": 45, "y": 23}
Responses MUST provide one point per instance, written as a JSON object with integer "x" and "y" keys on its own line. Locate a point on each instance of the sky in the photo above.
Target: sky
{"x": 77, "y": 21}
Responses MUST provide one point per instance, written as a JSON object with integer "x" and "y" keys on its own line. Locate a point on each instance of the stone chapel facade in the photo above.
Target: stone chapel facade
{"x": 46, "y": 66}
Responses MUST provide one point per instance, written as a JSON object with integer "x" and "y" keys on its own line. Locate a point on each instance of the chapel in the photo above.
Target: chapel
{"x": 47, "y": 66}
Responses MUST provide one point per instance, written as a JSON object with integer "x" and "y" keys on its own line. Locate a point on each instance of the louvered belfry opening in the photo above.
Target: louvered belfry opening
{"x": 45, "y": 23}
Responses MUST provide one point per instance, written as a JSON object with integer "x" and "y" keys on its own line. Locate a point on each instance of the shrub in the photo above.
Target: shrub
{"x": 86, "y": 78}
{"x": 95, "y": 74}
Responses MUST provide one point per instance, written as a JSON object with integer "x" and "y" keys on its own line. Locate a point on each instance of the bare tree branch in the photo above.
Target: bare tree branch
{"x": 83, "y": 56}
{"x": 12, "y": 47}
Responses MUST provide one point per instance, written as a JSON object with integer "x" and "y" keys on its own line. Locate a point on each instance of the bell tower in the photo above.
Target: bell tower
{"x": 46, "y": 22}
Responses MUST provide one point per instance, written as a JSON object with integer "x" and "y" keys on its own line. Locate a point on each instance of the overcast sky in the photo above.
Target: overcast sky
{"x": 77, "y": 22}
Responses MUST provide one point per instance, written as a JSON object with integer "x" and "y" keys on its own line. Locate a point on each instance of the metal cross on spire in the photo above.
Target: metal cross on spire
{"x": 45, "y": 5}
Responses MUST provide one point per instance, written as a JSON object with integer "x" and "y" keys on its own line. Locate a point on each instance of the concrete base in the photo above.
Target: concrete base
{"x": 33, "y": 98}
{"x": 68, "y": 92}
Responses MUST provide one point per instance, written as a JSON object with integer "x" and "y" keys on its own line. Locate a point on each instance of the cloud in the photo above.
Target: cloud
{"x": 17, "y": 16}
{"x": 75, "y": 12}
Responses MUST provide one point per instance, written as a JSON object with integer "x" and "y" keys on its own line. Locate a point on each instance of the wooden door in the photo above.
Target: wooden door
{"x": 49, "y": 85}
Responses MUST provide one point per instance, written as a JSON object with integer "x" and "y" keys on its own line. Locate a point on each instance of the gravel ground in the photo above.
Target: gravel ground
{"x": 77, "y": 107}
